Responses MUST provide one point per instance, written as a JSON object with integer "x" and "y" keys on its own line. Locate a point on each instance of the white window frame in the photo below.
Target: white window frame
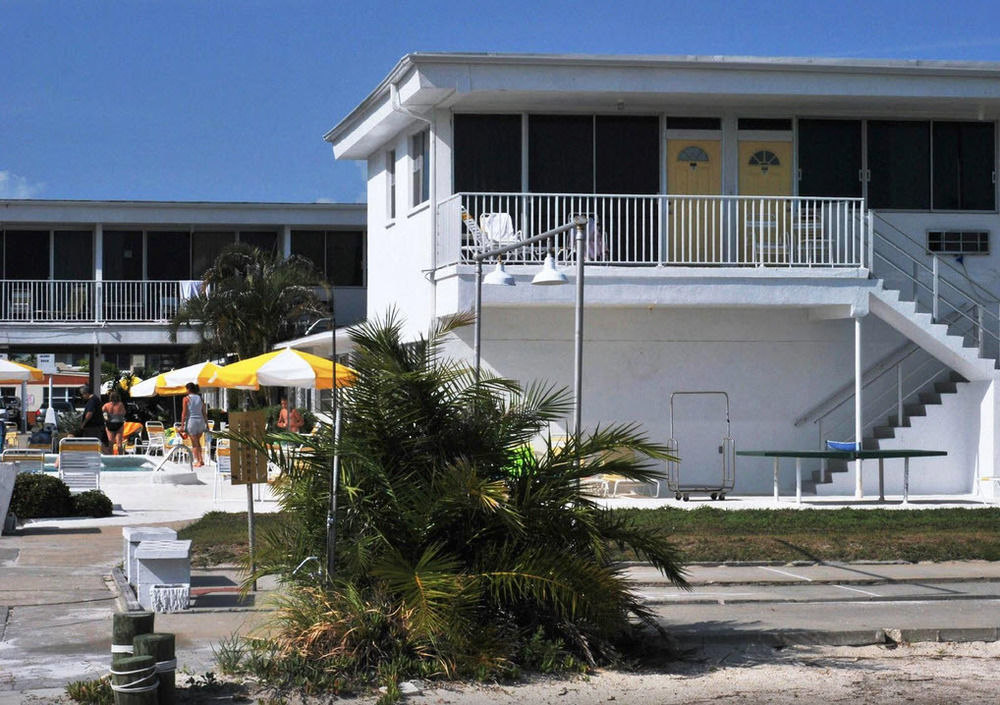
{"x": 419, "y": 167}
{"x": 390, "y": 185}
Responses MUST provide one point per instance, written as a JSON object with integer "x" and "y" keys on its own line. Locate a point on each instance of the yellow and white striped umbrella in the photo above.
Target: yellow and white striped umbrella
{"x": 14, "y": 372}
{"x": 173, "y": 383}
{"x": 283, "y": 368}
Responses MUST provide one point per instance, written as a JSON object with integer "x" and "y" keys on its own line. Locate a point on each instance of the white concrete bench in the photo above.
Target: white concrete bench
{"x": 163, "y": 574}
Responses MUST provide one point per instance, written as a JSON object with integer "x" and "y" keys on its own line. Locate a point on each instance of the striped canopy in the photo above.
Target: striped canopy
{"x": 15, "y": 373}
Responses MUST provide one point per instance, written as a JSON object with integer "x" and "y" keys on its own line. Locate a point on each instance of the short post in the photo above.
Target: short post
{"x": 125, "y": 627}
{"x": 133, "y": 681}
{"x": 160, "y": 647}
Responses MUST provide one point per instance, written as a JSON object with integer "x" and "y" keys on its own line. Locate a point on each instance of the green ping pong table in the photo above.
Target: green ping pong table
{"x": 880, "y": 455}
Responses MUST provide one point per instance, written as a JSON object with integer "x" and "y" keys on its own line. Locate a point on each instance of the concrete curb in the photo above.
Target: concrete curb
{"x": 690, "y": 639}
{"x": 661, "y": 601}
{"x": 3, "y": 621}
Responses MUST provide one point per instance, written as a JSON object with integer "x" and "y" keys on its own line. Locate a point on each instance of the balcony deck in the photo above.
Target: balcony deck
{"x": 661, "y": 230}
{"x": 44, "y": 301}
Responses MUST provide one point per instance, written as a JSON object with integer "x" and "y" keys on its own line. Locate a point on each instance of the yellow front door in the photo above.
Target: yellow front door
{"x": 694, "y": 168}
{"x": 765, "y": 170}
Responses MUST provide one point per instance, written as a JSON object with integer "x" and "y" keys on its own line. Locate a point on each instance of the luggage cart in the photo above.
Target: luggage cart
{"x": 727, "y": 450}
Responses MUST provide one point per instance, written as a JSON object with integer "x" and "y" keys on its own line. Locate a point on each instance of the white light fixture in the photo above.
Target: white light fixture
{"x": 499, "y": 277}
{"x": 549, "y": 275}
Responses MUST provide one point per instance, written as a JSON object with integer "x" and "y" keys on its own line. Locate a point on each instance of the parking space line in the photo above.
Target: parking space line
{"x": 844, "y": 587}
{"x": 783, "y": 572}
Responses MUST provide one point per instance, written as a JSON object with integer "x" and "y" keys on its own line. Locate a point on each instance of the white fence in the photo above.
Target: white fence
{"x": 733, "y": 231}
{"x": 48, "y": 301}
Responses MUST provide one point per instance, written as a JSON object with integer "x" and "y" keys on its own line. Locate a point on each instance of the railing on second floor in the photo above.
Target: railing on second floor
{"x": 69, "y": 301}
{"x": 730, "y": 231}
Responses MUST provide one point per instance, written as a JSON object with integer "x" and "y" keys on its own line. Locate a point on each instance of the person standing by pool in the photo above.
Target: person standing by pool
{"x": 114, "y": 423}
{"x": 193, "y": 420}
{"x": 93, "y": 421}
{"x": 289, "y": 419}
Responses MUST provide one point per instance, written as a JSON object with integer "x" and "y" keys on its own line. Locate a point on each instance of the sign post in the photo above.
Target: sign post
{"x": 249, "y": 465}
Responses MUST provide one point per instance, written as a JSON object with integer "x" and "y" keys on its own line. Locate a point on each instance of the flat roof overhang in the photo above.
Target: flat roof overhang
{"x": 683, "y": 85}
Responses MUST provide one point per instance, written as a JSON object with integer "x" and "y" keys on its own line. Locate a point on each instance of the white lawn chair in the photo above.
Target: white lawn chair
{"x": 223, "y": 466}
{"x": 26, "y": 459}
{"x": 498, "y": 229}
{"x": 80, "y": 463}
{"x": 157, "y": 438}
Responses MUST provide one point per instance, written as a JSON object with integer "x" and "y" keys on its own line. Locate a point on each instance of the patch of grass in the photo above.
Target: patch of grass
{"x": 221, "y": 537}
{"x": 715, "y": 535}
{"x": 710, "y": 534}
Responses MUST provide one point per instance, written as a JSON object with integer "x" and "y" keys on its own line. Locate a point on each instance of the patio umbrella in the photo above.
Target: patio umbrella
{"x": 14, "y": 372}
{"x": 172, "y": 383}
{"x": 283, "y": 368}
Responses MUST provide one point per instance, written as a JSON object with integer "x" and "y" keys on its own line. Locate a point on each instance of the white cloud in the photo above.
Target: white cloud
{"x": 14, "y": 186}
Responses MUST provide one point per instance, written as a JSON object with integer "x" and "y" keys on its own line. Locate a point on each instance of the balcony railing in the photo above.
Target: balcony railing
{"x": 727, "y": 231}
{"x": 49, "y": 301}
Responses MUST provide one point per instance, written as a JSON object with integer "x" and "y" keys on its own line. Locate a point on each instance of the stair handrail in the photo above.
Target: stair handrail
{"x": 845, "y": 393}
{"x": 904, "y": 390}
{"x": 982, "y": 313}
{"x": 906, "y": 236}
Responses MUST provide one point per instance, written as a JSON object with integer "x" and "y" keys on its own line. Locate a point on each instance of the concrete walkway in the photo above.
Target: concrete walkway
{"x": 56, "y": 602}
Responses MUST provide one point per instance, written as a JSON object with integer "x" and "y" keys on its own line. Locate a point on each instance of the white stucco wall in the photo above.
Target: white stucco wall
{"x": 774, "y": 364}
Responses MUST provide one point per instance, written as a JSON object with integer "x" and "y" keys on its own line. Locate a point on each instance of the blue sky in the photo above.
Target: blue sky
{"x": 211, "y": 100}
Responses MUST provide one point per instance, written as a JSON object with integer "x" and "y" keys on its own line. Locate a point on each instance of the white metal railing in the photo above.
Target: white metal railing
{"x": 937, "y": 287}
{"x": 741, "y": 231}
{"x": 68, "y": 301}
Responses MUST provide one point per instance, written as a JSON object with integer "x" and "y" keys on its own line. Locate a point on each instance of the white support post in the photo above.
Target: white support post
{"x": 934, "y": 288}
{"x": 858, "y": 372}
{"x": 899, "y": 393}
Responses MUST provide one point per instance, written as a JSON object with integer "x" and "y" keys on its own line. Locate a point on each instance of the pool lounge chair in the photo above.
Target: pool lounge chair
{"x": 26, "y": 459}
{"x": 223, "y": 466}
{"x": 80, "y": 463}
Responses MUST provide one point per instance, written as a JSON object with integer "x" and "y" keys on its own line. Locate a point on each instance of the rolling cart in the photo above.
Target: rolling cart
{"x": 727, "y": 451}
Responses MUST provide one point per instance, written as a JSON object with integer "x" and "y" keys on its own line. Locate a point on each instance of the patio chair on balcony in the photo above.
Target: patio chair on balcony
{"x": 811, "y": 242}
{"x": 20, "y": 306}
{"x": 498, "y": 229}
{"x": 768, "y": 239}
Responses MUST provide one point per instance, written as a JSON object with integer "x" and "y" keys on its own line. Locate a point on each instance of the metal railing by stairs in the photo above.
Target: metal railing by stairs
{"x": 908, "y": 380}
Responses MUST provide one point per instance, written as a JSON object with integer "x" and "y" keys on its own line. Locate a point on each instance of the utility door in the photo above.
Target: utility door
{"x": 765, "y": 170}
{"x": 694, "y": 168}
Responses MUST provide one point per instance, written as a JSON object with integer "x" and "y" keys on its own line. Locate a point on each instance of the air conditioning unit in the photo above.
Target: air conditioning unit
{"x": 958, "y": 242}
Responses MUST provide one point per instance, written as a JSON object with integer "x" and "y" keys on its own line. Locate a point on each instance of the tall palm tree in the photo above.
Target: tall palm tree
{"x": 249, "y": 300}
{"x": 448, "y": 527}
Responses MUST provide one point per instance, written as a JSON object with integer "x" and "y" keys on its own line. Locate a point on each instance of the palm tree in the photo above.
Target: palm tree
{"x": 465, "y": 544}
{"x": 250, "y": 300}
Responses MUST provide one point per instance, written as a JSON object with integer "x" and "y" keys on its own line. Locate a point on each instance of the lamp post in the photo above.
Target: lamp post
{"x": 548, "y": 276}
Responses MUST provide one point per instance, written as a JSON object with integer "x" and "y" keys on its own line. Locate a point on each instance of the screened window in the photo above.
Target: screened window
{"x": 421, "y": 166}
{"x": 390, "y": 186}
{"x": 830, "y": 158}
{"x": 561, "y": 153}
{"x": 26, "y": 254}
{"x": 263, "y": 240}
{"x": 899, "y": 161}
{"x": 487, "y": 153}
{"x": 337, "y": 254}
{"x": 168, "y": 254}
{"x": 964, "y": 166}
{"x": 73, "y": 252}
{"x": 588, "y": 154}
{"x": 205, "y": 247}
{"x": 122, "y": 255}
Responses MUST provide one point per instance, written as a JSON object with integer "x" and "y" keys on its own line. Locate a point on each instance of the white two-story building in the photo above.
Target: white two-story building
{"x": 782, "y": 230}
{"x": 100, "y": 280}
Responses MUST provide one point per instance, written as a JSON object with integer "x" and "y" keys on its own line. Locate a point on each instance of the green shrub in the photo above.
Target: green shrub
{"x": 95, "y": 692}
{"x": 40, "y": 495}
{"x": 92, "y": 503}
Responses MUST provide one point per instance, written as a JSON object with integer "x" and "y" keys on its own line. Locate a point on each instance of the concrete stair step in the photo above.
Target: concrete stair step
{"x": 914, "y": 410}
{"x": 884, "y": 432}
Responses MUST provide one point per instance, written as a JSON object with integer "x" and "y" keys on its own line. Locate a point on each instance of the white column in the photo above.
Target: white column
{"x": 858, "y": 492}
{"x": 286, "y": 241}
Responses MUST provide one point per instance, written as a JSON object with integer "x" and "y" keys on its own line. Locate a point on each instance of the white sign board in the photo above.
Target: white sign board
{"x": 46, "y": 362}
